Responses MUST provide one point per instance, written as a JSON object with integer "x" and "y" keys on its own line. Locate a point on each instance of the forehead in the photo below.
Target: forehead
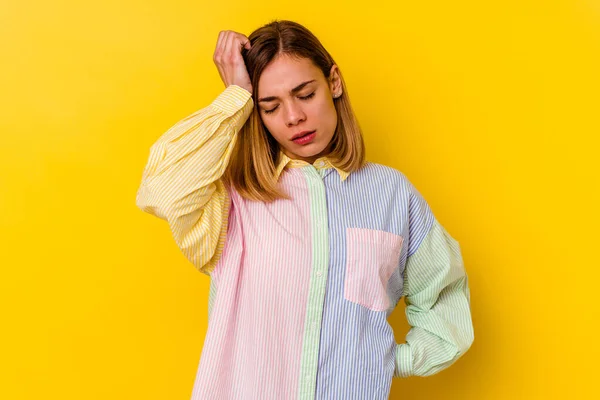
{"x": 284, "y": 73}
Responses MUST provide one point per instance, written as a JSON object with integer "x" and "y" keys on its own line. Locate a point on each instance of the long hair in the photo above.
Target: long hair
{"x": 255, "y": 155}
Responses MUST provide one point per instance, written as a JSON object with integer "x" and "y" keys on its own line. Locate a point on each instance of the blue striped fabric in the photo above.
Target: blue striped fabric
{"x": 357, "y": 354}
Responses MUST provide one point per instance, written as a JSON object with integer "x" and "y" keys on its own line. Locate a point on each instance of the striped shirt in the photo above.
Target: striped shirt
{"x": 300, "y": 289}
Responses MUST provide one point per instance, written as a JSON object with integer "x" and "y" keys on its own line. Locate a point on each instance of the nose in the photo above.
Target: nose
{"x": 293, "y": 114}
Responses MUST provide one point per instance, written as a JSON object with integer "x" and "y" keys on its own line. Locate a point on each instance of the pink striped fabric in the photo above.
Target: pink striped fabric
{"x": 372, "y": 256}
{"x": 257, "y": 321}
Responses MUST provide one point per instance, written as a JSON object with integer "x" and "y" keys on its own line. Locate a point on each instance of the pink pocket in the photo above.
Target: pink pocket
{"x": 371, "y": 258}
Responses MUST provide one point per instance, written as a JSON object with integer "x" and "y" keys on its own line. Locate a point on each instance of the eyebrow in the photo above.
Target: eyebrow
{"x": 292, "y": 92}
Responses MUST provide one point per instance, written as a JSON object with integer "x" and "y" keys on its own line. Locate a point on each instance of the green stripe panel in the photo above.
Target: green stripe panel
{"x": 318, "y": 282}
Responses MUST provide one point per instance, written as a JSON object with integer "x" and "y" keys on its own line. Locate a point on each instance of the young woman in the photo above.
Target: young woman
{"x": 308, "y": 246}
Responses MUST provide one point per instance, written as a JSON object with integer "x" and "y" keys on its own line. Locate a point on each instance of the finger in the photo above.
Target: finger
{"x": 237, "y": 42}
{"x": 219, "y": 48}
{"x": 220, "y": 40}
{"x": 245, "y": 41}
{"x": 230, "y": 47}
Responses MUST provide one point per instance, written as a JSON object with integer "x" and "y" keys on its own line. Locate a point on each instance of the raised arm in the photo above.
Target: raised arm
{"x": 181, "y": 181}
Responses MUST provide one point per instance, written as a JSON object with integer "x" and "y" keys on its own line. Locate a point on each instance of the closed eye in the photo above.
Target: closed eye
{"x": 307, "y": 96}
{"x": 300, "y": 97}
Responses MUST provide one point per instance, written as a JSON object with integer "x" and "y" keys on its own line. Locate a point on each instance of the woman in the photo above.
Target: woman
{"x": 308, "y": 246}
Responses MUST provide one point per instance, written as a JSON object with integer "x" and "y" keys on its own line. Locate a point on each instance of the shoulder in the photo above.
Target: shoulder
{"x": 382, "y": 173}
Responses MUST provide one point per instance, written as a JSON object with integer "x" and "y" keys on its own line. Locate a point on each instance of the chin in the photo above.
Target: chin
{"x": 310, "y": 150}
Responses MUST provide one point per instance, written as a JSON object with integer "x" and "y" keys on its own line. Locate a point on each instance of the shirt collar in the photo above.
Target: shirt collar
{"x": 320, "y": 163}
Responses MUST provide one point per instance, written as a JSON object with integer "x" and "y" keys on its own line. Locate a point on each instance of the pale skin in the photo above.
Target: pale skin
{"x": 283, "y": 110}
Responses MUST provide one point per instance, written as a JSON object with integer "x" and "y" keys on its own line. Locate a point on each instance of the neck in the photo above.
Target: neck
{"x": 310, "y": 159}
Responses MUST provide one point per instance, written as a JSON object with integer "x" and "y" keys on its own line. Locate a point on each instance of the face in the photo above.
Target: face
{"x": 294, "y": 96}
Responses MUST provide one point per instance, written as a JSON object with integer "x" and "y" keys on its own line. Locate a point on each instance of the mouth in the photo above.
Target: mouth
{"x": 304, "y": 137}
{"x": 301, "y": 134}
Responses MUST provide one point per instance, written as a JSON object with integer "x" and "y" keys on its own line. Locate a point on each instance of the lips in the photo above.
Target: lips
{"x": 306, "y": 139}
{"x": 300, "y": 134}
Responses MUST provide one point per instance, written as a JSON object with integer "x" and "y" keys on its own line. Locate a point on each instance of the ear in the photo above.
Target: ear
{"x": 335, "y": 81}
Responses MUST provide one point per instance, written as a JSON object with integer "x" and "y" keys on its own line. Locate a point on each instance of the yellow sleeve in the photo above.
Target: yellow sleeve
{"x": 181, "y": 182}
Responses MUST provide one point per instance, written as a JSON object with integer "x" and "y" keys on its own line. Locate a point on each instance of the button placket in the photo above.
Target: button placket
{"x": 318, "y": 281}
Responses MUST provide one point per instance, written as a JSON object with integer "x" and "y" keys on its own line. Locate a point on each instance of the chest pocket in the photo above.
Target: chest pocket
{"x": 371, "y": 258}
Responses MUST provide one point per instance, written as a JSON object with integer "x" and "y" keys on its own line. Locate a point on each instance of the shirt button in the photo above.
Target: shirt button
{"x": 320, "y": 164}
{"x": 319, "y": 273}
{"x": 314, "y": 325}
{"x": 238, "y": 103}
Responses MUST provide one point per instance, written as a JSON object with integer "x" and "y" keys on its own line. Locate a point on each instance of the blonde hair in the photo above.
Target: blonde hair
{"x": 255, "y": 156}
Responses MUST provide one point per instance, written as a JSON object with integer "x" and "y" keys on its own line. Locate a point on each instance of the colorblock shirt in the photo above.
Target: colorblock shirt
{"x": 300, "y": 289}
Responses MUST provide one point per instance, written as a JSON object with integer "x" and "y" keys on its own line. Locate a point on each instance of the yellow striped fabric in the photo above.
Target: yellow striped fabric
{"x": 181, "y": 181}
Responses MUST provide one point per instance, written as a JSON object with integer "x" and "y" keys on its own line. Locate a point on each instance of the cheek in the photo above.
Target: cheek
{"x": 326, "y": 114}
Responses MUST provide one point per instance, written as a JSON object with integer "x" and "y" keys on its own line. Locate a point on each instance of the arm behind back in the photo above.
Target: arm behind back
{"x": 181, "y": 182}
{"x": 436, "y": 292}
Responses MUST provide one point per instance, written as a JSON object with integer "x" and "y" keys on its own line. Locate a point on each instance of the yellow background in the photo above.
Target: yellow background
{"x": 490, "y": 108}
